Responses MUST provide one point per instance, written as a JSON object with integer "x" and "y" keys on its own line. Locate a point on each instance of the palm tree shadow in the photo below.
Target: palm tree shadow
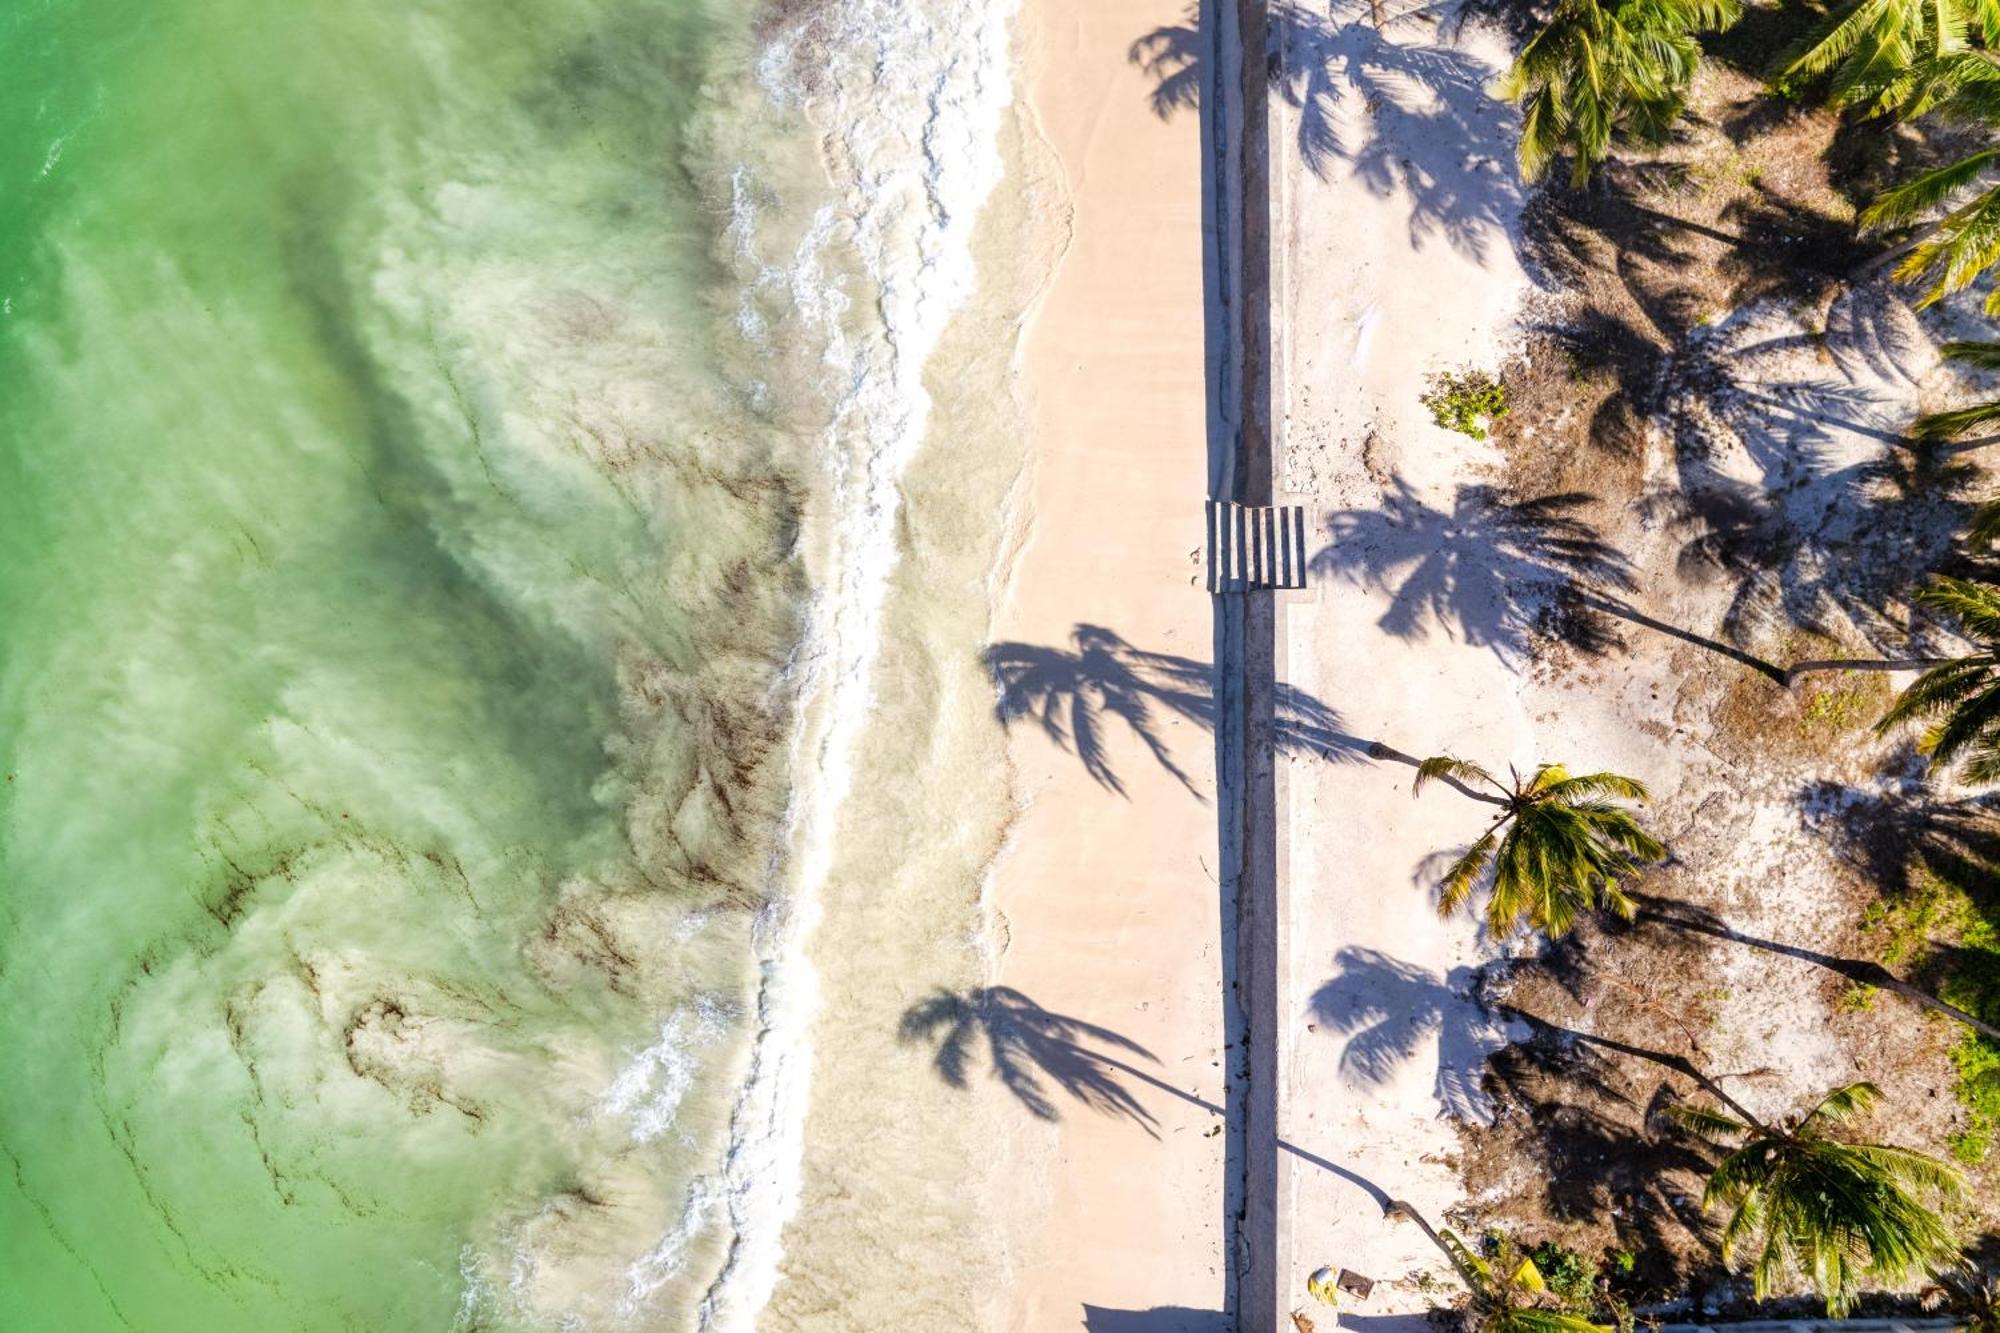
{"x": 1490, "y": 570}
{"x": 1069, "y": 692}
{"x": 1602, "y": 1147}
{"x": 1900, "y": 834}
{"x": 1435, "y": 135}
{"x": 1497, "y": 573}
{"x": 1026, "y": 1044}
{"x": 1796, "y": 487}
{"x": 1905, "y": 840}
{"x": 1388, "y": 1008}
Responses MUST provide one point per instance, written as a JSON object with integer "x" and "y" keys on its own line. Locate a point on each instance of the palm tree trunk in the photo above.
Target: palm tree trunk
{"x": 1680, "y": 1064}
{"x": 1868, "y": 268}
{"x": 1398, "y": 1208}
{"x": 1377, "y": 750}
{"x": 1857, "y": 970}
{"x": 1612, "y": 606}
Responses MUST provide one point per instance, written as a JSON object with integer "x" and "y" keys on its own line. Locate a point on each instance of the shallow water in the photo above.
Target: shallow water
{"x": 397, "y": 583}
{"x": 452, "y": 465}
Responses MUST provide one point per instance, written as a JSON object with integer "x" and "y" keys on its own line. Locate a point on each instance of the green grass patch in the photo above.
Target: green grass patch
{"x": 1834, "y": 710}
{"x": 1572, "y": 1277}
{"x": 1938, "y": 916}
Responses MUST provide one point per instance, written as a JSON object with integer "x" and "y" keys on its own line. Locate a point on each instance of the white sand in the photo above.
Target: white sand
{"x": 1106, "y": 902}
{"x": 1395, "y": 259}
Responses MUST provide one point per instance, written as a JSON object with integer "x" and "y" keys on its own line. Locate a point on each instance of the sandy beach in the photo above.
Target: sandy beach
{"x": 1106, "y": 900}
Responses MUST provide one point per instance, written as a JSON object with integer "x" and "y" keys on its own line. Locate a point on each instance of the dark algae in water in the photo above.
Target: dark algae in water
{"x": 394, "y": 595}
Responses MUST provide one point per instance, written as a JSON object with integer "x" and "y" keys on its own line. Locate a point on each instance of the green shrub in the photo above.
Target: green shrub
{"x": 1978, "y": 1062}
{"x": 1572, "y": 1278}
{"x": 1938, "y": 911}
{"x": 1467, "y": 401}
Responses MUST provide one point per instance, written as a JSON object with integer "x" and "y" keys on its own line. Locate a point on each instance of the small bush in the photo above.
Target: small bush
{"x": 1908, "y": 928}
{"x": 1978, "y": 1064}
{"x": 1467, "y": 401}
{"x": 1572, "y": 1278}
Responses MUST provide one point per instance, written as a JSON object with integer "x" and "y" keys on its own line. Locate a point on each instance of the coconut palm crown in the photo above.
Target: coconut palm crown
{"x": 1959, "y": 697}
{"x": 1885, "y": 55}
{"x": 1830, "y": 1211}
{"x": 1556, "y": 851}
{"x": 1604, "y": 69}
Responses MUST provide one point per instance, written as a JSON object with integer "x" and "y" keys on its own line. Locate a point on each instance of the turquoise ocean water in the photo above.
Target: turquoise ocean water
{"x": 398, "y": 572}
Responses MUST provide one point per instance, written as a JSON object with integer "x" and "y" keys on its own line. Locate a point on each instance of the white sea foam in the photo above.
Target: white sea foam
{"x": 668, "y": 1259}
{"x": 912, "y": 98}
{"x": 650, "y": 1089}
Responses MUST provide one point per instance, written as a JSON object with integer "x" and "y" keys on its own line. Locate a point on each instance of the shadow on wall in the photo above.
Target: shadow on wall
{"x": 1159, "y": 1319}
{"x": 1418, "y": 123}
{"x": 1388, "y": 1008}
{"x": 1070, "y": 691}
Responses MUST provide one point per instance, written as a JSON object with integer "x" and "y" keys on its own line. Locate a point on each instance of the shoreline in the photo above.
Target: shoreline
{"x": 907, "y": 210}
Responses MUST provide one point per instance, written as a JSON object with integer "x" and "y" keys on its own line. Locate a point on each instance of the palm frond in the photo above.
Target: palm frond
{"x": 1934, "y": 426}
{"x": 1965, "y": 244}
{"x": 1444, "y": 766}
{"x": 1844, "y": 1103}
{"x": 1706, "y": 1121}
{"x": 1976, "y": 606}
{"x": 1458, "y": 882}
{"x": 1980, "y": 355}
{"x": 1930, "y": 191}
{"x": 1596, "y": 72}
{"x": 1984, "y": 526}
{"x": 1591, "y": 786}
{"x": 1833, "y": 1212}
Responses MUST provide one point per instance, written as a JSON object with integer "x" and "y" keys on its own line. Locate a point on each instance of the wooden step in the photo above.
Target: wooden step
{"x": 1252, "y": 547}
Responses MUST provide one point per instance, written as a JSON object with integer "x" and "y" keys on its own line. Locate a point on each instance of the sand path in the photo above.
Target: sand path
{"x": 1107, "y": 900}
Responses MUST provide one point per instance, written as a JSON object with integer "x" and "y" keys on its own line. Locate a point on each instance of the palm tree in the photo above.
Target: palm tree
{"x": 1831, "y": 1211}
{"x": 1602, "y": 70}
{"x": 1557, "y": 849}
{"x": 1960, "y": 695}
{"x": 1884, "y": 55}
{"x": 1509, "y": 1294}
{"x": 1952, "y": 251}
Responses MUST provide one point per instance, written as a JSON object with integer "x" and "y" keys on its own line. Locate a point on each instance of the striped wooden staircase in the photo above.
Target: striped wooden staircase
{"x": 1252, "y": 547}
